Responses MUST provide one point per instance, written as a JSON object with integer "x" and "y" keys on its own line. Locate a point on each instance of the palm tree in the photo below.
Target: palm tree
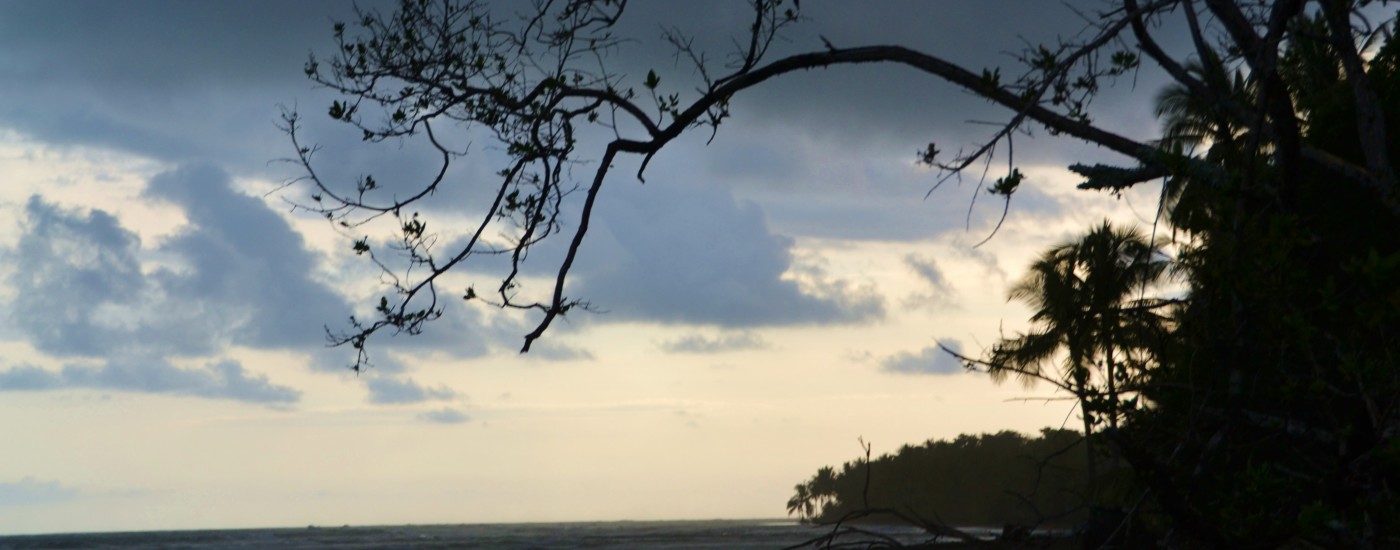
{"x": 823, "y": 487}
{"x": 803, "y": 503}
{"x": 1190, "y": 121}
{"x": 1088, "y": 302}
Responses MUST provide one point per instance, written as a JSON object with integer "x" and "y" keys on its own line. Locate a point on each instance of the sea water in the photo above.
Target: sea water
{"x": 665, "y": 535}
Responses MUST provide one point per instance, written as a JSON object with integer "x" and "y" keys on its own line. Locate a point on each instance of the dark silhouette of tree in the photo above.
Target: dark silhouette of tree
{"x": 1273, "y": 410}
{"x": 812, "y": 498}
{"x": 803, "y": 503}
{"x": 972, "y": 480}
{"x": 1088, "y": 309}
{"x": 1277, "y": 397}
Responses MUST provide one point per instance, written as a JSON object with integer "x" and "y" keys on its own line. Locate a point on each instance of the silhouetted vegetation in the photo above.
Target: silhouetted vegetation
{"x": 972, "y": 480}
{"x": 1260, "y": 408}
{"x": 1275, "y": 403}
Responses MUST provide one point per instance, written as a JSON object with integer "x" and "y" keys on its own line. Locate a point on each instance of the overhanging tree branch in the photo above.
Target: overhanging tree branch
{"x": 450, "y": 61}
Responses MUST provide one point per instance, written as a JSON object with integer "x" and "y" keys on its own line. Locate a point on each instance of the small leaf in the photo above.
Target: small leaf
{"x": 652, "y": 80}
{"x": 1007, "y": 186}
{"x": 926, "y": 157}
{"x": 991, "y": 78}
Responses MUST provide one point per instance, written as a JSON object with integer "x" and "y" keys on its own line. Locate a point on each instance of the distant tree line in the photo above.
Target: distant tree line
{"x": 986, "y": 480}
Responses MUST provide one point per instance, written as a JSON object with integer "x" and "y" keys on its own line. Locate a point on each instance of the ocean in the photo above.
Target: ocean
{"x": 664, "y": 535}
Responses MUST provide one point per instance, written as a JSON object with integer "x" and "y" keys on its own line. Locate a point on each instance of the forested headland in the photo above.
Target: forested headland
{"x": 972, "y": 480}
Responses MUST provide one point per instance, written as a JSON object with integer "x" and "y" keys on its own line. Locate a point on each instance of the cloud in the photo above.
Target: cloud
{"x": 692, "y": 254}
{"x": 179, "y": 81}
{"x": 176, "y": 82}
{"x": 697, "y": 343}
{"x": 244, "y": 278}
{"x": 73, "y": 266}
{"x": 548, "y": 349}
{"x": 244, "y": 262}
{"x": 930, "y": 360}
{"x": 938, "y": 292}
{"x": 31, "y": 492}
{"x": 390, "y": 390}
{"x": 218, "y": 380}
{"x": 29, "y": 378}
{"x": 991, "y": 267}
{"x": 238, "y": 274}
{"x": 166, "y": 80}
{"x": 445, "y": 415}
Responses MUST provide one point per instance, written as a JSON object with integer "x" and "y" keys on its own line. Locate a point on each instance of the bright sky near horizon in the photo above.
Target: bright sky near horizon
{"x": 769, "y": 298}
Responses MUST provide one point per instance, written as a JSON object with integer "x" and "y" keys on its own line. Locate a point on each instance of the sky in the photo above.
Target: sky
{"x": 766, "y": 300}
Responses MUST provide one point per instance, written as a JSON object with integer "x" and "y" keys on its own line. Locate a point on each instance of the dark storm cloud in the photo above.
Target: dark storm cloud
{"x": 32, "y": 492}
{"x": 724, "y": 342}
{"x": 445, "y": 415}
{"x": 217, "y": 380}
{"x": 683, "y": 254}
{"x": 930, "y": 360}
{"x": 816, "y": 189}
{"x": 390, "y": 390}
{"x": 179, "y": 81}
{"x": 874, "y": 107}
{"x": 170, "y": 80}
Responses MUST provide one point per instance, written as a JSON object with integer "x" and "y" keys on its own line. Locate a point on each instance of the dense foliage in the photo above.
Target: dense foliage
{"x": 1261, "y": 408}
{"x": 1276, "y": 404}
{"x": 973, "y": 480}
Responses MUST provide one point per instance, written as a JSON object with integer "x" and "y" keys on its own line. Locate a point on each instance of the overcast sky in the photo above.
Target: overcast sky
{"x": 769, "y": 298}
